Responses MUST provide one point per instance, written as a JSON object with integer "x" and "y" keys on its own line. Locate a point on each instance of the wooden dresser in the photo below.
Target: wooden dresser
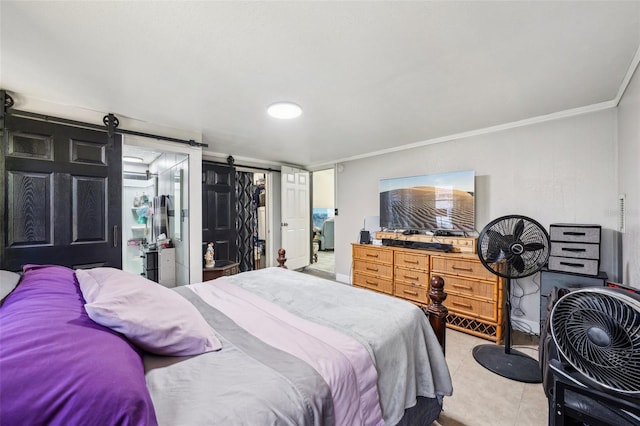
{"x": 475, "y": 295}
{"x": 474, "y": 298}
{"x": 373, "y": 268}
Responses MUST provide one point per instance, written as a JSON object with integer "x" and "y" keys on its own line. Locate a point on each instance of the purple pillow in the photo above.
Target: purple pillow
{"x": 58, "y": 367}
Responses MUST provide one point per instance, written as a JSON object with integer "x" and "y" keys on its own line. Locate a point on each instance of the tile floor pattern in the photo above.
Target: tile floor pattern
{"x": 483, "y": 398}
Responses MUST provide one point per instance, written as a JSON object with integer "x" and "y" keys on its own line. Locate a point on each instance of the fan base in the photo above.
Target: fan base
{"x": 514, "y": 365}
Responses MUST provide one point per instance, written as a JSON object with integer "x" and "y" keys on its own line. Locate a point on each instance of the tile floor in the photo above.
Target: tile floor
{"x": 325, "y": 263}
{"x": 481, "y": 397}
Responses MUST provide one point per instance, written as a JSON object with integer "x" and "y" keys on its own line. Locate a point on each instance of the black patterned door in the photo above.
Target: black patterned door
{"x": 219, "y": 210}
{"x": 246, "y": 225}
{"x": 61, "y": 195}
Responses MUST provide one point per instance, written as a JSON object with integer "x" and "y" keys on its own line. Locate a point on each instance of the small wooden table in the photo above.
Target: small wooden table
{"x": 221, "y": 268}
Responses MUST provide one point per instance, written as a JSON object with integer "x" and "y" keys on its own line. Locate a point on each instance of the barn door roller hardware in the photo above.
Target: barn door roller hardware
{"x": 7, "y": 102}
{"x": 110, "y": 122}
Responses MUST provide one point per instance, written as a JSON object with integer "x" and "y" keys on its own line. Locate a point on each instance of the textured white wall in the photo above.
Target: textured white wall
{"x": 556, "y": 171}
{"x": 629, "y": 179}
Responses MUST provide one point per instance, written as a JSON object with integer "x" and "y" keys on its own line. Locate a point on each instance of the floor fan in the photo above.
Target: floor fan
{"x": 512, "y": 247}
{"x": 596, "y": 364}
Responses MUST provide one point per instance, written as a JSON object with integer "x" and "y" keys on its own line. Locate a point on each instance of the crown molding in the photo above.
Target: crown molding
{"x": 627, "y": 78}
{"x": 492, "y": 129}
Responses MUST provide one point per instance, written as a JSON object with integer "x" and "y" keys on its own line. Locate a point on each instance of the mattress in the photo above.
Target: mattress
{"x": 300, "y": 350}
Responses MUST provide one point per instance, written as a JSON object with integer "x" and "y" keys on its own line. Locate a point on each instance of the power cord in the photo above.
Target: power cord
{"x": 516, "y": 303}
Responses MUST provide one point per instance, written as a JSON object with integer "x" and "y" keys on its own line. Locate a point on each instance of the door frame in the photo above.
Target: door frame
{"x": 193, "y": 238}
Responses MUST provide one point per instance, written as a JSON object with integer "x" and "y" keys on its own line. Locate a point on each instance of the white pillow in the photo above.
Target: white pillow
{"x": 8, "y": 281}
{"x": 153, "y": 317}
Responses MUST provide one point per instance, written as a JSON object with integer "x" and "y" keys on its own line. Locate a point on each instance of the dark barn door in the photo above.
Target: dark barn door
{"x": 61, "y": 196}
{"x": 219, "y": 210}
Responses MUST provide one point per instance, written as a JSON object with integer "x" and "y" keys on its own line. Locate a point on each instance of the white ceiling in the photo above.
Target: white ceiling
{"x": 370, "y": 76}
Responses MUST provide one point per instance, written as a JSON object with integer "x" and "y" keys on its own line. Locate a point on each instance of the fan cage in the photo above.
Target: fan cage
{"x": 597, "y": 331}
{"x": 532, "y": 232}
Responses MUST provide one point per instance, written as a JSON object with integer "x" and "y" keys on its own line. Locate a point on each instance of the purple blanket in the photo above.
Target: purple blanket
{"x": 58, "y": 367}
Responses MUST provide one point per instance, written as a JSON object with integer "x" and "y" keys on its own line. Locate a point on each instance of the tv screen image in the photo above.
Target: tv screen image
{"x": 444, "y": 201}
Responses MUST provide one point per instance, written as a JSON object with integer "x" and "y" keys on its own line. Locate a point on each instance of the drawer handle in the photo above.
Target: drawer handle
{"x": 411, "y": 278}
{"x": 415, "y": 262}
{"x": 574, "y": 233}
{"x": 371, "y": 283}
{"x": 577, "y": 250}
{"x": 413, "y": 293}
{"x": 457, "y": 268}
{"x": 371, "y": 255}
{"x": 372, "y": 269}
{"x": 464, "y": 305}
{"x": 466, "y": 287}
{"x": 577, "y": 265}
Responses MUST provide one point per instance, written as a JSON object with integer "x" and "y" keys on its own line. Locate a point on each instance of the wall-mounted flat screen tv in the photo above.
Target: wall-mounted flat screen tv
{"x": 444, "y": 201}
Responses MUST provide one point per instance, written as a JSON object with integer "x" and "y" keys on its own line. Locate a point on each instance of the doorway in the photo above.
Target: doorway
{"x": 323, "y": 209}
{"x": 240, "y": 215}
{"x": 155, "y": 226}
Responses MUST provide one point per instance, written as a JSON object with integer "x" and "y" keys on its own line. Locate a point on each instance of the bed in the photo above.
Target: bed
{"x": 272, "y": 346}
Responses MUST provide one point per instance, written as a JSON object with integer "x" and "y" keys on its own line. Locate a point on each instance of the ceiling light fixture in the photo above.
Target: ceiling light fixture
{"x": 284, "y": 110}
{"x": 129, "y": 159}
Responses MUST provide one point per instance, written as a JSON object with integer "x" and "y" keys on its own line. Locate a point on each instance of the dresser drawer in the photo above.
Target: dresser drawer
{"x": 477, "y": 289}
{"x": 576, "y": 250}
{"x": 411, "y": 276}
{"x": 573, "y": 265}
{"x": 376, "y": 269}
{"x": 575, "y": 233}
{"x": 461, "y": 267}
{"x": 409, "y": 292}
{"x": 412, "y": 260}
{"x": 374, "y": 283}
{"x": 376, "y": 254}
{"x": 471, "y": 307}
{"x": 465, "y": 245}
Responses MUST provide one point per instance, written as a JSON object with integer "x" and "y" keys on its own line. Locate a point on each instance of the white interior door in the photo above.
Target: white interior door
{"x": 296, "y": 217}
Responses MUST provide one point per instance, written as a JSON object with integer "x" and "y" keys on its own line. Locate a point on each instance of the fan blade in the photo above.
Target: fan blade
{"x": 496, "y": 246}
{"x": 533, "y": 246}
{"x": 498, "y": 240}
{"x": 518, "y": 263}
{"x": 494, "y": 254}
{"x": 518, "y": 229}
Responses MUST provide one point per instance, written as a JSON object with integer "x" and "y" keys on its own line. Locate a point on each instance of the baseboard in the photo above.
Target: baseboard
{"x": 343, "y": 278}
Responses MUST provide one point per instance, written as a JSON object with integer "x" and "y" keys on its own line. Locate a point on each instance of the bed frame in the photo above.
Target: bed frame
{"x": 436, "y": 311}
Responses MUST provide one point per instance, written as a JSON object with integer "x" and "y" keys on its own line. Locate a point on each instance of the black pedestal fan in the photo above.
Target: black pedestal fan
{"x": 512, "y": 247}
